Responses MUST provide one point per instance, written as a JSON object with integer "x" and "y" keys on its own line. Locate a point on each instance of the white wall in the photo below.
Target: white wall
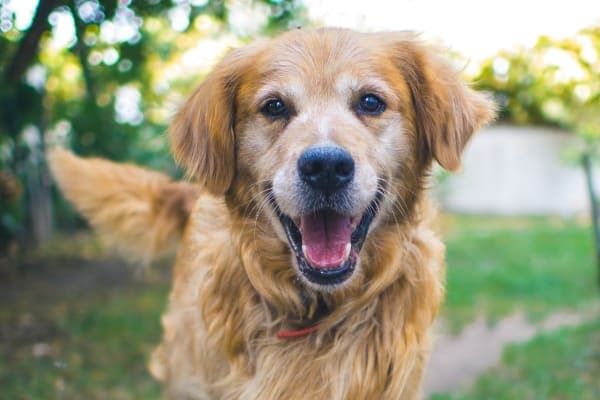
{"x": 517, "y": 170}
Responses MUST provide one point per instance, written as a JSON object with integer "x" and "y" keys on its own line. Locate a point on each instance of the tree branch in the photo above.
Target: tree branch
{"x": 28, "y": 46}
{"x": 81, "y": 51}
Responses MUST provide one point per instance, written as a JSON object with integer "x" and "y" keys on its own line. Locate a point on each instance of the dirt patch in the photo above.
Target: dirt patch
{"x": 35, "y": 289}
{"x": 457, "y": 360}
{"x": 74, "y": 276}
{"x": 24, "y": 330}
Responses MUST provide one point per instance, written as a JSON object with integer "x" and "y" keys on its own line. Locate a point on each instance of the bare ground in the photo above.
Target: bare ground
{"x": 31, "y": 288}
{"x": 457, "y": 360}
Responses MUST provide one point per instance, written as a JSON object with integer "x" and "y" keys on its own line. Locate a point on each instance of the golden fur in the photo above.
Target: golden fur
{"x": 141, "y": 212}
{"x": 235, "y": 283}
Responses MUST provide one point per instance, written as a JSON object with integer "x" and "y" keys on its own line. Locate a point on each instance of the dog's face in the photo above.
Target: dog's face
{"x": 331, "y": 132}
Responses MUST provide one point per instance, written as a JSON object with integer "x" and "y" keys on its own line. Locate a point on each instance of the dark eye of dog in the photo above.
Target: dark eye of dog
{"x": 370, "y": 104}
{"x": 275, "y": 108}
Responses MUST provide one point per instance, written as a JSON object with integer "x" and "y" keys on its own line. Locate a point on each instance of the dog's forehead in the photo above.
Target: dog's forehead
{"x": 312, "y": 62}
{"x": 316, "y": 49}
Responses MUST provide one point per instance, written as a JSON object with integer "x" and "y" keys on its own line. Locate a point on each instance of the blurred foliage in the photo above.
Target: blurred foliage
{"x": 103, "y": 77}
{"x": 556, "y": 82}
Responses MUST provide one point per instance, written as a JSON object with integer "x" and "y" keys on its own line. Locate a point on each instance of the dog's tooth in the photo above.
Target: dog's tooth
{"x": 304, "y": 251}
{"x": 347, "y": 250}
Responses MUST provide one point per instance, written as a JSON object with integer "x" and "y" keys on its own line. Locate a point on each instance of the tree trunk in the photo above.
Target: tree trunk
{"x": 39, "y": 202}
{"x": 587, "y": 167}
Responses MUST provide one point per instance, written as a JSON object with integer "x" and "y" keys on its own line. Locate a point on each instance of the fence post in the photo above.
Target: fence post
{"x": 587, "y": 166}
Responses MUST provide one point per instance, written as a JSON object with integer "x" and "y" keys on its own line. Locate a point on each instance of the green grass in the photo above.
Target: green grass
{"x": 564, "y": 364}
{"x": 497, "y": 266}
{"x": 98, "y": 342}
{"x": 99, "y": 348}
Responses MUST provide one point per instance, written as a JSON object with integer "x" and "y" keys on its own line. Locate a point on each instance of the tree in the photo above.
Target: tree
{"x": 557, "y": 82}
{"x": 98, "y": 74}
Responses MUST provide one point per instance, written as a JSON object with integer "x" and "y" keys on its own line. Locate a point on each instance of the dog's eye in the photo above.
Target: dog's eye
{"x": 370, "y": 104}
{"x": 275, "y": 108}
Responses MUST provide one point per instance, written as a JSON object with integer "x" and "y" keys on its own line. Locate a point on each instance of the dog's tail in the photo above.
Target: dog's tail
{"x": 141, "y": 212}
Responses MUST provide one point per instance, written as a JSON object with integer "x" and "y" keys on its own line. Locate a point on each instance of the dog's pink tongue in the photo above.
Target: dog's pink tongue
{"x": 325, "y": 237}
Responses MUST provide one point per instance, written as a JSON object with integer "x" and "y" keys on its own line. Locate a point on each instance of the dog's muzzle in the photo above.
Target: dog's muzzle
{"x": 326, "y": 238}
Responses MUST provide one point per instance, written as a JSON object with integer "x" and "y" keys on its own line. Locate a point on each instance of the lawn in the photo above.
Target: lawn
{"x": 80, "y": 329}
{"x": 497, "y": 266}
{"x": 564, "y": 364}
{"x": 98, "y": 350}
{"x": 83, "y": 325}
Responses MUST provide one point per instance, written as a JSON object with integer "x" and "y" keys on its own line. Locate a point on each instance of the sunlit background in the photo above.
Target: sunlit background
{"x": 521, "y": 319}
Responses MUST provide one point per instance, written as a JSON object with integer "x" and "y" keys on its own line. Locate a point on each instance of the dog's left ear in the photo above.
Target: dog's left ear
{"x": 202, "y": 132}
{"x": 447, "y": 111}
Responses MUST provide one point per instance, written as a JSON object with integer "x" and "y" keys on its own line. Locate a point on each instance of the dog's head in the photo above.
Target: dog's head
{"x": 331, "y": 132}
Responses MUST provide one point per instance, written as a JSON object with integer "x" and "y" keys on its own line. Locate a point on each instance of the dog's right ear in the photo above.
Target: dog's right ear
{"x": 202, "y": 132}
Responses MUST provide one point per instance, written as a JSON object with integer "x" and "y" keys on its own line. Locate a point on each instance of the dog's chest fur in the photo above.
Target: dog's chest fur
{"x": 220, "y": 333}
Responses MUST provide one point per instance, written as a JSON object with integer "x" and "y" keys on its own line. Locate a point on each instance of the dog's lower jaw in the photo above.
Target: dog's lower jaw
{"x": 341, "y": 279}
{"x": 329, "y": 276}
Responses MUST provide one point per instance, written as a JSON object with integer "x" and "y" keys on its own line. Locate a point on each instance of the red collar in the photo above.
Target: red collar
{"x": 297, "y": 333}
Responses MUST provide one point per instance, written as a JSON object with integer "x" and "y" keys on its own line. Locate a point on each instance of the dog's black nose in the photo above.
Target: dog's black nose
{"x": 326, "y": 169}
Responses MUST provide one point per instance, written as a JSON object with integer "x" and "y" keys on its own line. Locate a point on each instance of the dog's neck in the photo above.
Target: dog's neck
{"x": 302, "y": 325}
{"x": 306, "y": 324}
{"x": 294, "y": 308}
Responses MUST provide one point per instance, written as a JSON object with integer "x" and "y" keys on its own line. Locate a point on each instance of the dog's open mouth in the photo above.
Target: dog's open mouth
{"x": 327, "y": 243}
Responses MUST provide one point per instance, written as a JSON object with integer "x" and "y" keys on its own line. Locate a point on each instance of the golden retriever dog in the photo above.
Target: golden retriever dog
{"x": 307, "y": 267}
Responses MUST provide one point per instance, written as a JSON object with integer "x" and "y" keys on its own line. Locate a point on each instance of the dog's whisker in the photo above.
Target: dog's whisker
{"x": 396, "y": 202}
{"x": 265, "y": 202}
